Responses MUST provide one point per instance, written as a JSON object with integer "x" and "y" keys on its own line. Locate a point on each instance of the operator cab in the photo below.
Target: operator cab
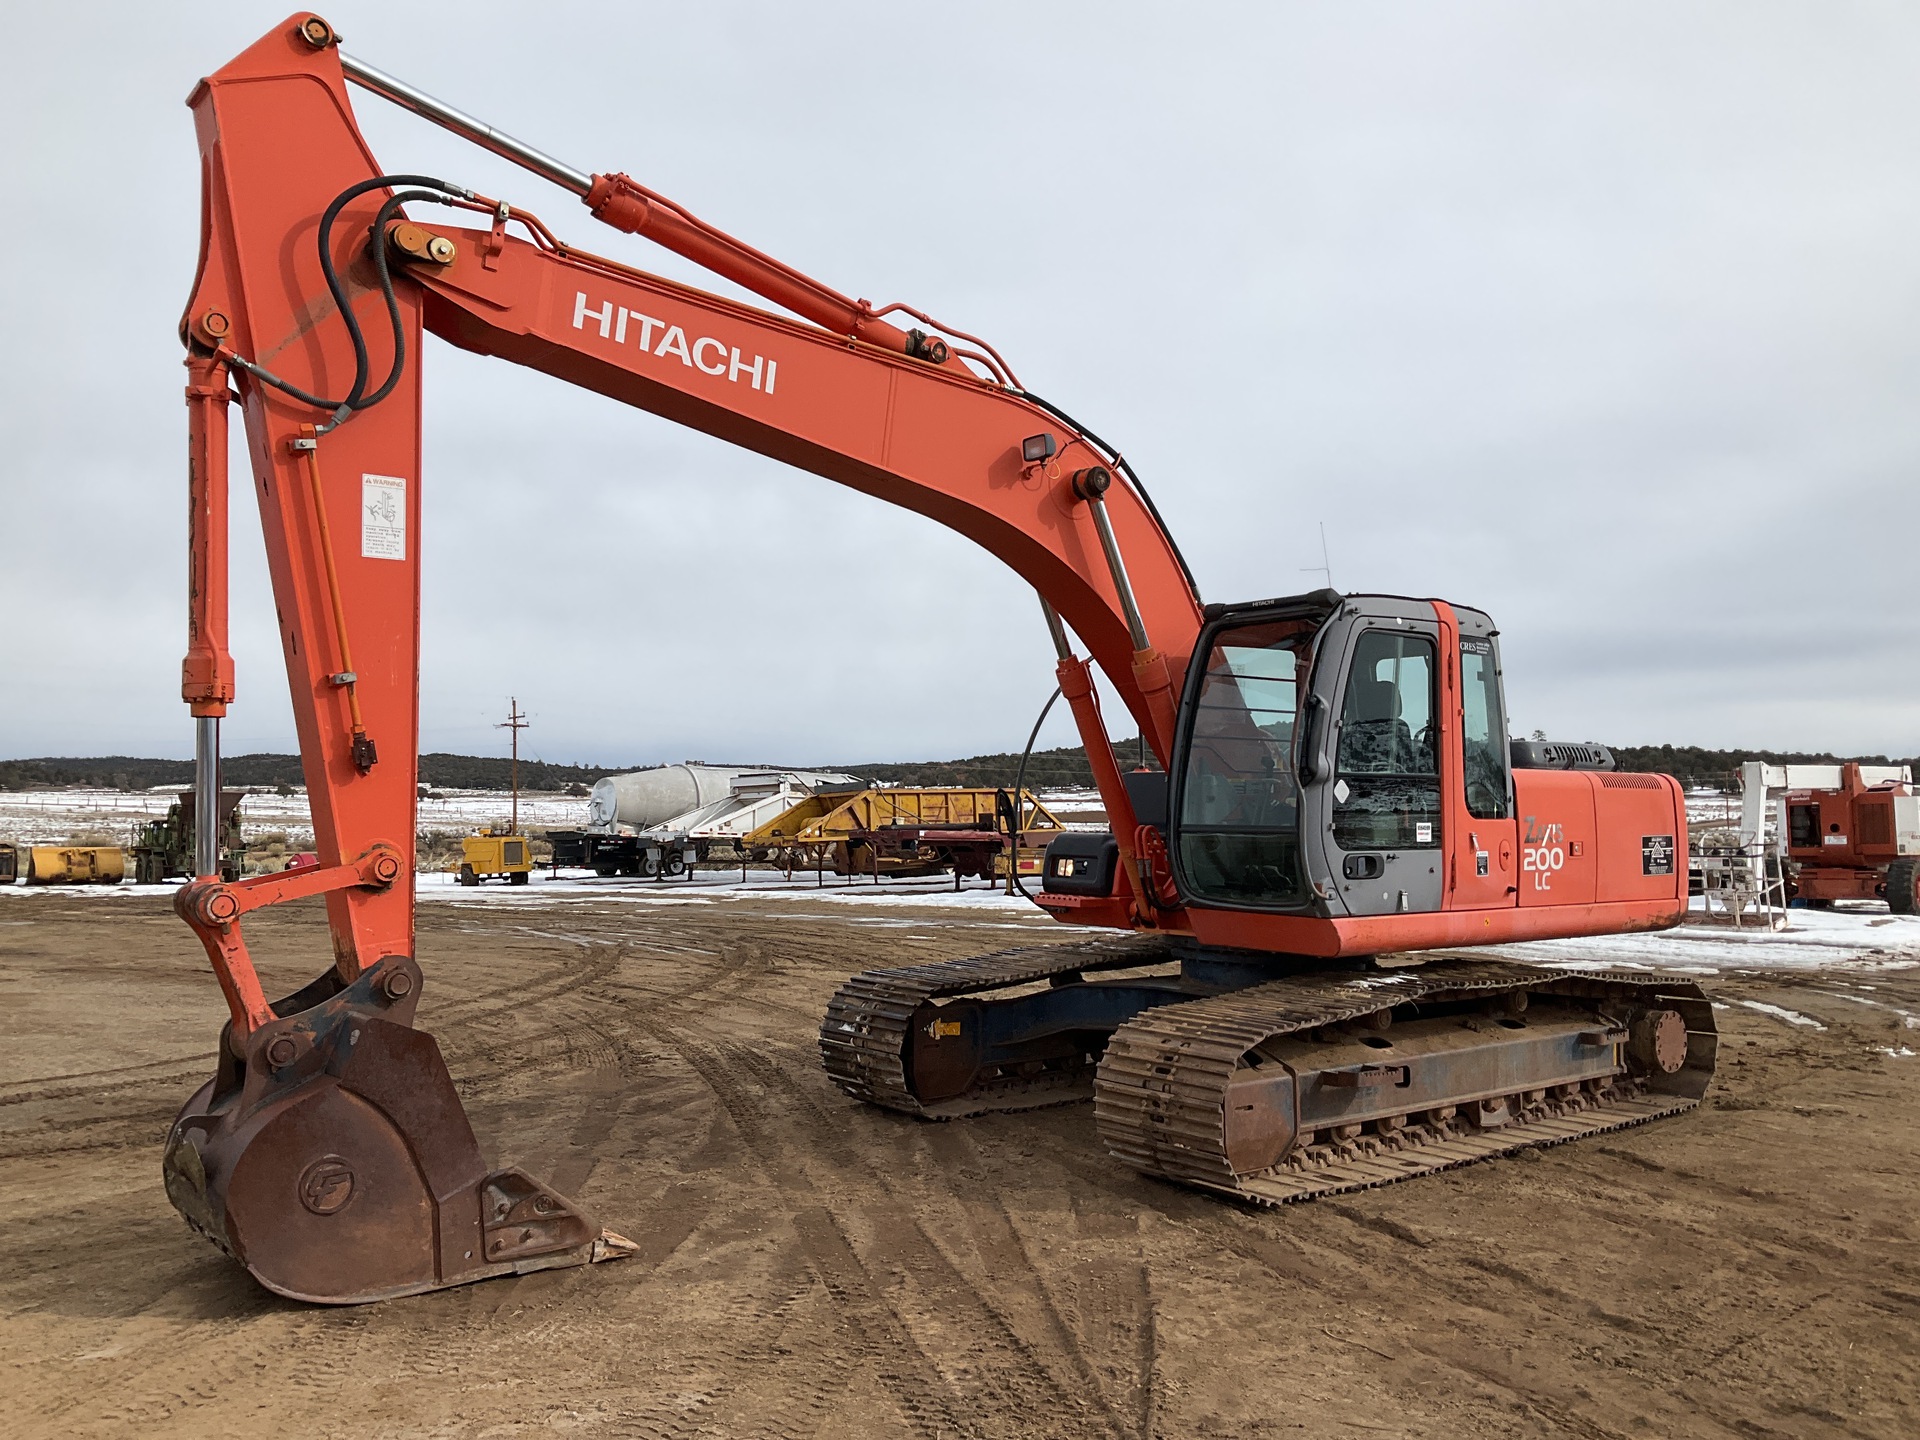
{"x": 1308, "y": 764}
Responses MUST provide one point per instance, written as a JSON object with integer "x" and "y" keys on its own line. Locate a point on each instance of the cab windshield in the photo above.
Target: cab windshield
{"x": 1238, "y": 835}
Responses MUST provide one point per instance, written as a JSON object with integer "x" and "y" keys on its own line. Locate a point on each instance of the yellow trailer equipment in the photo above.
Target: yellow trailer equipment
{"x": 490, "y": 854}
{"x": 907, "y": 830}
{"x": 76, "y": 865}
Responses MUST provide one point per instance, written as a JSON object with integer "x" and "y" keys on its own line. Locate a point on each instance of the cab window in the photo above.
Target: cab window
{"x": 1238, "y": 834}
{"x": 1484, "y": 732}
{"x": 1386, "y": 789}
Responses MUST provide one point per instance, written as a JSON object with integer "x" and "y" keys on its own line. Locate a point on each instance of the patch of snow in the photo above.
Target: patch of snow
{"x": 1816, "y": 940}
{"x": 709, "y": 887}
{"x": 1907, "y": 1017}
{"x": 1792, "y": 1017}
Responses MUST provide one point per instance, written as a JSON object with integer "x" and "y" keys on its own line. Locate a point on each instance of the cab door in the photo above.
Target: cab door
{"x": 1375, "y": 804}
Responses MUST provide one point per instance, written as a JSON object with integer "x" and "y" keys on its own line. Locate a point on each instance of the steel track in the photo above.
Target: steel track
{"x": 1160, "y": 1088}
{"x": 864, "y": 1037}
{"x": 1160, "y": 1092}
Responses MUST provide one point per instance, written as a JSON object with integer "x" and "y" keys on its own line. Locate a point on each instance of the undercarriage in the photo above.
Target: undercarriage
{"x": 1276, "y": 1078}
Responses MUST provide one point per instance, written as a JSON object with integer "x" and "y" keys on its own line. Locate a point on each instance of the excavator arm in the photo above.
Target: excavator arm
{"x": 314, "y": 290}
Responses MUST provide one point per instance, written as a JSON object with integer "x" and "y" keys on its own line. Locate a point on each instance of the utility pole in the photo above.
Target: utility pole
{"x": 514, "y": 724}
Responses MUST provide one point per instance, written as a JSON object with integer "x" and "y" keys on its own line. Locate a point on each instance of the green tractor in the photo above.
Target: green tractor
{"x": 163, "y": 849}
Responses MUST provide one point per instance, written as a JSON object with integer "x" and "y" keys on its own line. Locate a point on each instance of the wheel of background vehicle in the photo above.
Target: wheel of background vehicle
{"x": 676, "y": 865}
{"x": 1820, "y": 904}
{"x": 466, "y": 875}
{"x": 606, "y": 868}
{"x": 649, "y": 867}
{"x": 1902, "y": 877}
{"x": 517, "y": 877}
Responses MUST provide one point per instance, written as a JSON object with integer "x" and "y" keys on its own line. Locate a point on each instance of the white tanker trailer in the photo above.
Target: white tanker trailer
{"x": 659, "y": 821}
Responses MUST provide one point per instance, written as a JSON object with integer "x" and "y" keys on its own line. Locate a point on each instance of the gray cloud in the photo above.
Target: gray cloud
{"x": 1597, "y": 317}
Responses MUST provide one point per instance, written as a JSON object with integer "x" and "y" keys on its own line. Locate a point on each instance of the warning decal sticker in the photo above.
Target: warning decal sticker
{"x": 1656, "y": 854}
{"x": 383, "y": 517}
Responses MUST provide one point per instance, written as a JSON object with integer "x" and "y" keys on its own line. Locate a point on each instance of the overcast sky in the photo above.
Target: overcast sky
{"x": 1601, "y": 318}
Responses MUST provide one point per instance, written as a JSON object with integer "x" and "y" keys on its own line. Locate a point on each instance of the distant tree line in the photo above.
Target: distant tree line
{"x": 126, "y": 772}
{"x": 1067, "y": 766}
{"x": 1060, "y": 768}
{"x": 1063, "y": 768}
{"x": 1720, "y": 769}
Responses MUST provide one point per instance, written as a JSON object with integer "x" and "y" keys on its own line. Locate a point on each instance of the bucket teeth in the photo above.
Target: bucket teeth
{"x": 609, "y": 1246}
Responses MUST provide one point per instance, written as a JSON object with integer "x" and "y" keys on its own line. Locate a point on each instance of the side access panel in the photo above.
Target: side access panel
{"x": 1559, "y": 853}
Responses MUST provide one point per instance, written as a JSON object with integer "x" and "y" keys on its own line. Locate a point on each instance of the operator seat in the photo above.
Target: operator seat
{"x": 1374, "y": 740}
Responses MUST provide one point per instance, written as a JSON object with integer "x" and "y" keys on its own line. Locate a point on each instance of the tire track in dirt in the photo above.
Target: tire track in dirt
{"x": 682, "y": 1395}
{"x": 594, "y": 1040}
{"x": 197, "y": 1069}
{"x": 1342, "y": 1279}
{"x": 987, "y": 1344}
{"x": 997, "y": 1237}
{"x": 1000, "y": 1241}
{"x": 518, "y": 993}
{"x": 83, "y": 1083}
{"x": 123, "y": 1130}
{"x": 156, "y": 1383}
{"x": 918, "y": 1386}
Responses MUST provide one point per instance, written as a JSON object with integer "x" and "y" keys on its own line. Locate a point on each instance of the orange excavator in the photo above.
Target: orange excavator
{"x": 1337, "y": 787}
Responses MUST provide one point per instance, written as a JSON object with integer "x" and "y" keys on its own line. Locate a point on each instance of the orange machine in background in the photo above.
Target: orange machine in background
{"x": 1859, "y": 842}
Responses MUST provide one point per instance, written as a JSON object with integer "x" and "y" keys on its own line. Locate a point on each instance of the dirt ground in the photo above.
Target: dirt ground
{"x": 808, "y": 1267}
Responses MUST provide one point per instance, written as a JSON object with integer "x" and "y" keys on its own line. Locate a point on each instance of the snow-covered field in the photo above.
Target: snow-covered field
{"x": 47, "y": 817}
{"x": 52, "y": 817}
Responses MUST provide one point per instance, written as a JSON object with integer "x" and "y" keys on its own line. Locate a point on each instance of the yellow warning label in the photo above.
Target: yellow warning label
{"x": 944, "y": 1029}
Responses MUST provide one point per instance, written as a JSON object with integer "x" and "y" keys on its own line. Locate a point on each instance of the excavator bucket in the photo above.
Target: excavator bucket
{"x": 331, "y": 1156}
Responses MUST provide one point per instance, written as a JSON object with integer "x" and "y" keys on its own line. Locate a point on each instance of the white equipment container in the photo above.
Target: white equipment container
{"x": 691, "y": 802}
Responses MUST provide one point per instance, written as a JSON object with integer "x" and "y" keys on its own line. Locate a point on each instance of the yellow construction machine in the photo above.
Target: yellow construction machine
{"x": 76, "y": 865}
{"x": 491, "y": 854}
{"x": 907, "y": 830}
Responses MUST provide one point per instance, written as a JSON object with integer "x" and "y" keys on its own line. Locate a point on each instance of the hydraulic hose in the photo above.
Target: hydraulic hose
{"x": 1120, "y": 462}
{"x": 1020, "y": 790}
{"x": 356, "y": 398}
